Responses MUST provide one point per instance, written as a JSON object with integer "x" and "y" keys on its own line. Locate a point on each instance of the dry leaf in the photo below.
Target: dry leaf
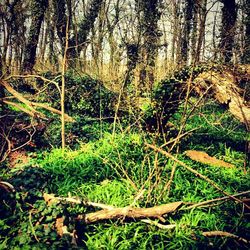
{"x": 59, "y": 226}
{"x": 204, "y": 158}
{"x": 50, "y": 199}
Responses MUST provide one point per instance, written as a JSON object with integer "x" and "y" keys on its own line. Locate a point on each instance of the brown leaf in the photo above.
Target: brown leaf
{"x": 204, "y": 158}
{"x": 59, "y": 226}
{"x": 50, "y": 199}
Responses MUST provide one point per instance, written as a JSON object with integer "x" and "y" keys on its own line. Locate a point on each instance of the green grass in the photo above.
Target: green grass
{"x": 112, "y": 171}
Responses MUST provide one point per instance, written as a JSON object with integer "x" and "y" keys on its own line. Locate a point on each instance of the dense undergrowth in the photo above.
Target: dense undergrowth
{"x": 113, "y": 169}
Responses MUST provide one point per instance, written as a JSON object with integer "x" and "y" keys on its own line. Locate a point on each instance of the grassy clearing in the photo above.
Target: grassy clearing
{"x": 113, "y": 171}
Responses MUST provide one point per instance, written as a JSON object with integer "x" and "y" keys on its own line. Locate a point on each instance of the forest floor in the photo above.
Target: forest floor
{"x": 119, "y": 170}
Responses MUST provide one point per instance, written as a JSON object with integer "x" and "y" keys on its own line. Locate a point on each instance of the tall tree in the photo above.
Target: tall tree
{"x": 202, "y": 12}
{"x": 229, "y": 16}
{"x": 185, "y": 40}
{"x": 37, "y": 16}
{"x": 77, "y": 43}
{"x": 60, "y": 19}
{"x": 175, "y": 29}
{"x": 194, "y": 30}
{"x": 246, "y": 53}
{"x": 12, "y": 19}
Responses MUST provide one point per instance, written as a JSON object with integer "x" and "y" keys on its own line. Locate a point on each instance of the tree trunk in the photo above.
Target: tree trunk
{"x": 246, "y": 53}
{"x": 38, "y": 11}
{"x": 202, "y": 26}
{"x": 60, "y": 20}
{"x": 132, "y": 60}
{"x": 194, "y": 31}
{"x": 176, "y": 30}
{"x": 189, "y": 9}
{"x": 224, "y": 86}
{"x": 151, "y": 34}
{"x": 229, "y": 16}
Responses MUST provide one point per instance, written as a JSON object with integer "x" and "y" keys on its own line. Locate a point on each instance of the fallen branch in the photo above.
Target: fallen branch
{"x": 225, "y": 234}
{"x": 18, "y": 96}
{"x": 130, "y": 212}
{"x": 157, "y": 224}
{"x": 110, "y": 212}
{"x": 39, "y": 77}
{"x": 27, "y": 111}
{"x": 194, "y": 172}
{"x": 53, "y": 110}
{"x": 204, "y": 203}
{"x": 51, "y": 199}
{"x": 30, "y": 110}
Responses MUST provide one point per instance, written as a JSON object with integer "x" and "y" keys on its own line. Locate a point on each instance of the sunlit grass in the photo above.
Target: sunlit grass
{"x": 116, "y": 168}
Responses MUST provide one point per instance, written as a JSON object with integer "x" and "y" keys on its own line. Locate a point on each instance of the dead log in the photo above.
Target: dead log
{"x": 110, "y": 212}
{"x": 130, "y": 212}
{"x": 226, "y": 90}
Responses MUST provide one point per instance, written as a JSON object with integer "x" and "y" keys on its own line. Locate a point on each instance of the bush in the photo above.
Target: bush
{"x": 87, "y": 100}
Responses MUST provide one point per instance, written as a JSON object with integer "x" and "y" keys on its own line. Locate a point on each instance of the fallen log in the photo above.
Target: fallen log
{"x": 130, "y": 212}
{"x": 110, "y": 212}
{"x": 30, "y": 110}
{"x": 226, "y": 90}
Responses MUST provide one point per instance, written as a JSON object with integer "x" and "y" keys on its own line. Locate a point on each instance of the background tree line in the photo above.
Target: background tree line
{"x": 107, "y": 38}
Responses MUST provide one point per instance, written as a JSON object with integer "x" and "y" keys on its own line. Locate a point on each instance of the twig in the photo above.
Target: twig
{"x": 36, "y": 76}
{"x": 32, "y": 227}
{"x": 203, "y": 203}
{"x": 50, "y": 198}
{"x": 195, "y": 172}
{"x": 225, "y": 234}
{"x": 7, "y": 140}
{"x": 7, "y": 186}
{"x": 179, "y": 137}
{"x": 27, "y": 142}
{"x": 157, "y": 224}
